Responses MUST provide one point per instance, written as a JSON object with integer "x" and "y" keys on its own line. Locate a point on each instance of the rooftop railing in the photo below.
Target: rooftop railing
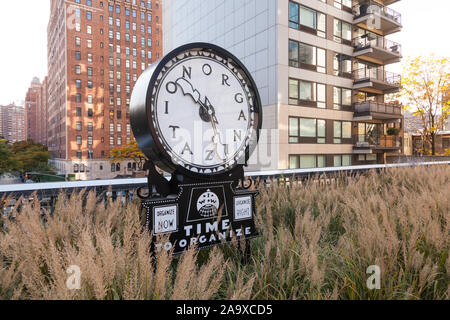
{"x": 371, "y": 7}
{"x": 371, "y": 106}
{"x": 377, "y": 73}
{"x": 378, "y": 141}
{"x": 370, "y": 41}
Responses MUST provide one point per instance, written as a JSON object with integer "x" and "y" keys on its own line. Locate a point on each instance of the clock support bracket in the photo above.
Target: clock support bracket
{"x": 158, "y": 185}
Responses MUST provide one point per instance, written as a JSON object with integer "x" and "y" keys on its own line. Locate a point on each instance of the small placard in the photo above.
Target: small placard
{"x": 243, "y": 208}
{"x": 165, "y": 219}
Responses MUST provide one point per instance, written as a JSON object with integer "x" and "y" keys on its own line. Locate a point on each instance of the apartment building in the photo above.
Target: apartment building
{"x": 320, "y": 67}
{"x": 12, "y": 122}
{"x": 96, "y": 52}
{"x": 32, "y": 110}
{"x": 36, "y": 113}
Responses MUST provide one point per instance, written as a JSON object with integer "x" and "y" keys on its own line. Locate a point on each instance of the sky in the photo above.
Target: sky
{"x": 23, "y": 38}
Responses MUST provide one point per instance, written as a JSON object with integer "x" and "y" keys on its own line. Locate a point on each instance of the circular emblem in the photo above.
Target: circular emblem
{"x": 208, "y": 204}
{"x": 196, "y": 111}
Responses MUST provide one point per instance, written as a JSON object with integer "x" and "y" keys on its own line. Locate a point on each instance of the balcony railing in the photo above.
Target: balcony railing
{"x": 378, "y": 141}
{"x": 377, "y": 73}
{"x": 370, "y": 106}
{"x": 372, "y": 7}
{"x": 369, "y": 41}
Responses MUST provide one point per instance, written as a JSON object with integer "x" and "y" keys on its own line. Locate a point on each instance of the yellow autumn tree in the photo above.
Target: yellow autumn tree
{"x": 426, "y": 94}
{"x": 130, "y": 151}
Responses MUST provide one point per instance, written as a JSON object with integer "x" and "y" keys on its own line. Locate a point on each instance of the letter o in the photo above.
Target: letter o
{"x": 207, "y": 66}
{"x": 174, "y": 90}
{"x": 182, "y": 243}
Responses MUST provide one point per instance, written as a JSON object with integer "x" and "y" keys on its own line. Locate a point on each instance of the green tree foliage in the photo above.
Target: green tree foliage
{"x": 24, "y": 156}
{"x": 6, "y": 157}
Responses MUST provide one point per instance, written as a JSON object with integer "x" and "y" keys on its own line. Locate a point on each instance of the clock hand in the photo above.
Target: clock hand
{"x": 188, "y": 90}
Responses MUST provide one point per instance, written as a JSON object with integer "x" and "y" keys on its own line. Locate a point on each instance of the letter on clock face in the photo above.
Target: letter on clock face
{"x": 239, "y": 98}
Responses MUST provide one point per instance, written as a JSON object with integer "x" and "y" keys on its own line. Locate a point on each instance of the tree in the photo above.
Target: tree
{"x": 6, "y": 160}
{"x": 130, "y": 152}
{"x": 425, "y": 83}
{"x": 29, "y": 156}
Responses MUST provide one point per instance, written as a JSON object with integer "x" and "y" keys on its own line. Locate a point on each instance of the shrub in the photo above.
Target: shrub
{"x": 317, "y": 242}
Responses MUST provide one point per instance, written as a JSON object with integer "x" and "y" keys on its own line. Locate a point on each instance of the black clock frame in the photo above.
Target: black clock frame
{"x": 145, "y": 133}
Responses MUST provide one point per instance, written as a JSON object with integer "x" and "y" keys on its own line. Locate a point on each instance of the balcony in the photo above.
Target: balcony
{"x": 369, "y": 110}
{"x": 367, "y": 144}
{"x": 376, "y": 80}
{"x": 388, "y": 2}
{"x": 377, "y": 49}
{"x": 375, "y": 16}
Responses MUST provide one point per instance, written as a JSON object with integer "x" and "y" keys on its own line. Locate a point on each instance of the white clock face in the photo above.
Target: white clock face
{"x": 203, "y": 112}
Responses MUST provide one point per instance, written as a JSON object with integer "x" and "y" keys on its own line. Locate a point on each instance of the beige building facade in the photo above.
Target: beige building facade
{"x": 320, "y": 67}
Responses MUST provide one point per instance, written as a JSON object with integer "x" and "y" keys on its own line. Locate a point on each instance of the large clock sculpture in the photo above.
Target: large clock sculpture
{"x": 196, "y": 114}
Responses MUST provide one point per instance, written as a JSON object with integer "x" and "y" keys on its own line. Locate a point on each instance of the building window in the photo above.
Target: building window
{"x": 342, "y": 32}
{"x": 78, "y": 98}
{"x": 113, "y": 167}
{"x": 90, "y": 113}
{"x": 341, "y": 130}
{"x": 342, "y": 98}
{"x": 90, "y": 140}
{"x": 306, "y": 161}
{"x": 78, "y": 69}
{"x": 79, "y": 140}
{"x": 306, "y": 19}
{"x": 90, "y": 127}
{"x": 342, "y": 4}
{"x": 305, "y": 56}
{"x": 342, "y": 160}
{"x": 306, "y": 130}
{"x": 88, "y": 15}
{"x": 89, "y": 84}
{"x": 78, "y": 112}
{"x": 76, "y": 167}
{"x": 77, "y": 55}
{"x": 78, "y": 84}
{"x": 367, "y": 157}
{"x": 79, "y": 126}
{"x": 305, "y": 93}
{"x": 342, "y": 65}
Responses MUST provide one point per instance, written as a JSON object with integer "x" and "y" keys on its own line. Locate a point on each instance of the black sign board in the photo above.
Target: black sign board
{"x": 202, "y": 215}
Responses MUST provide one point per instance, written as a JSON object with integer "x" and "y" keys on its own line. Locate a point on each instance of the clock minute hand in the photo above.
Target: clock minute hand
{"x": 188, "y": 90}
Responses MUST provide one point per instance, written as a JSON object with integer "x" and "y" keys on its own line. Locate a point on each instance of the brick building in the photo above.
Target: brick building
{"x": 96, "y": 52}
{"x": 32, "y": 102}
{"x": 36, "y": 113}
{"x": 12, "y": 122}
